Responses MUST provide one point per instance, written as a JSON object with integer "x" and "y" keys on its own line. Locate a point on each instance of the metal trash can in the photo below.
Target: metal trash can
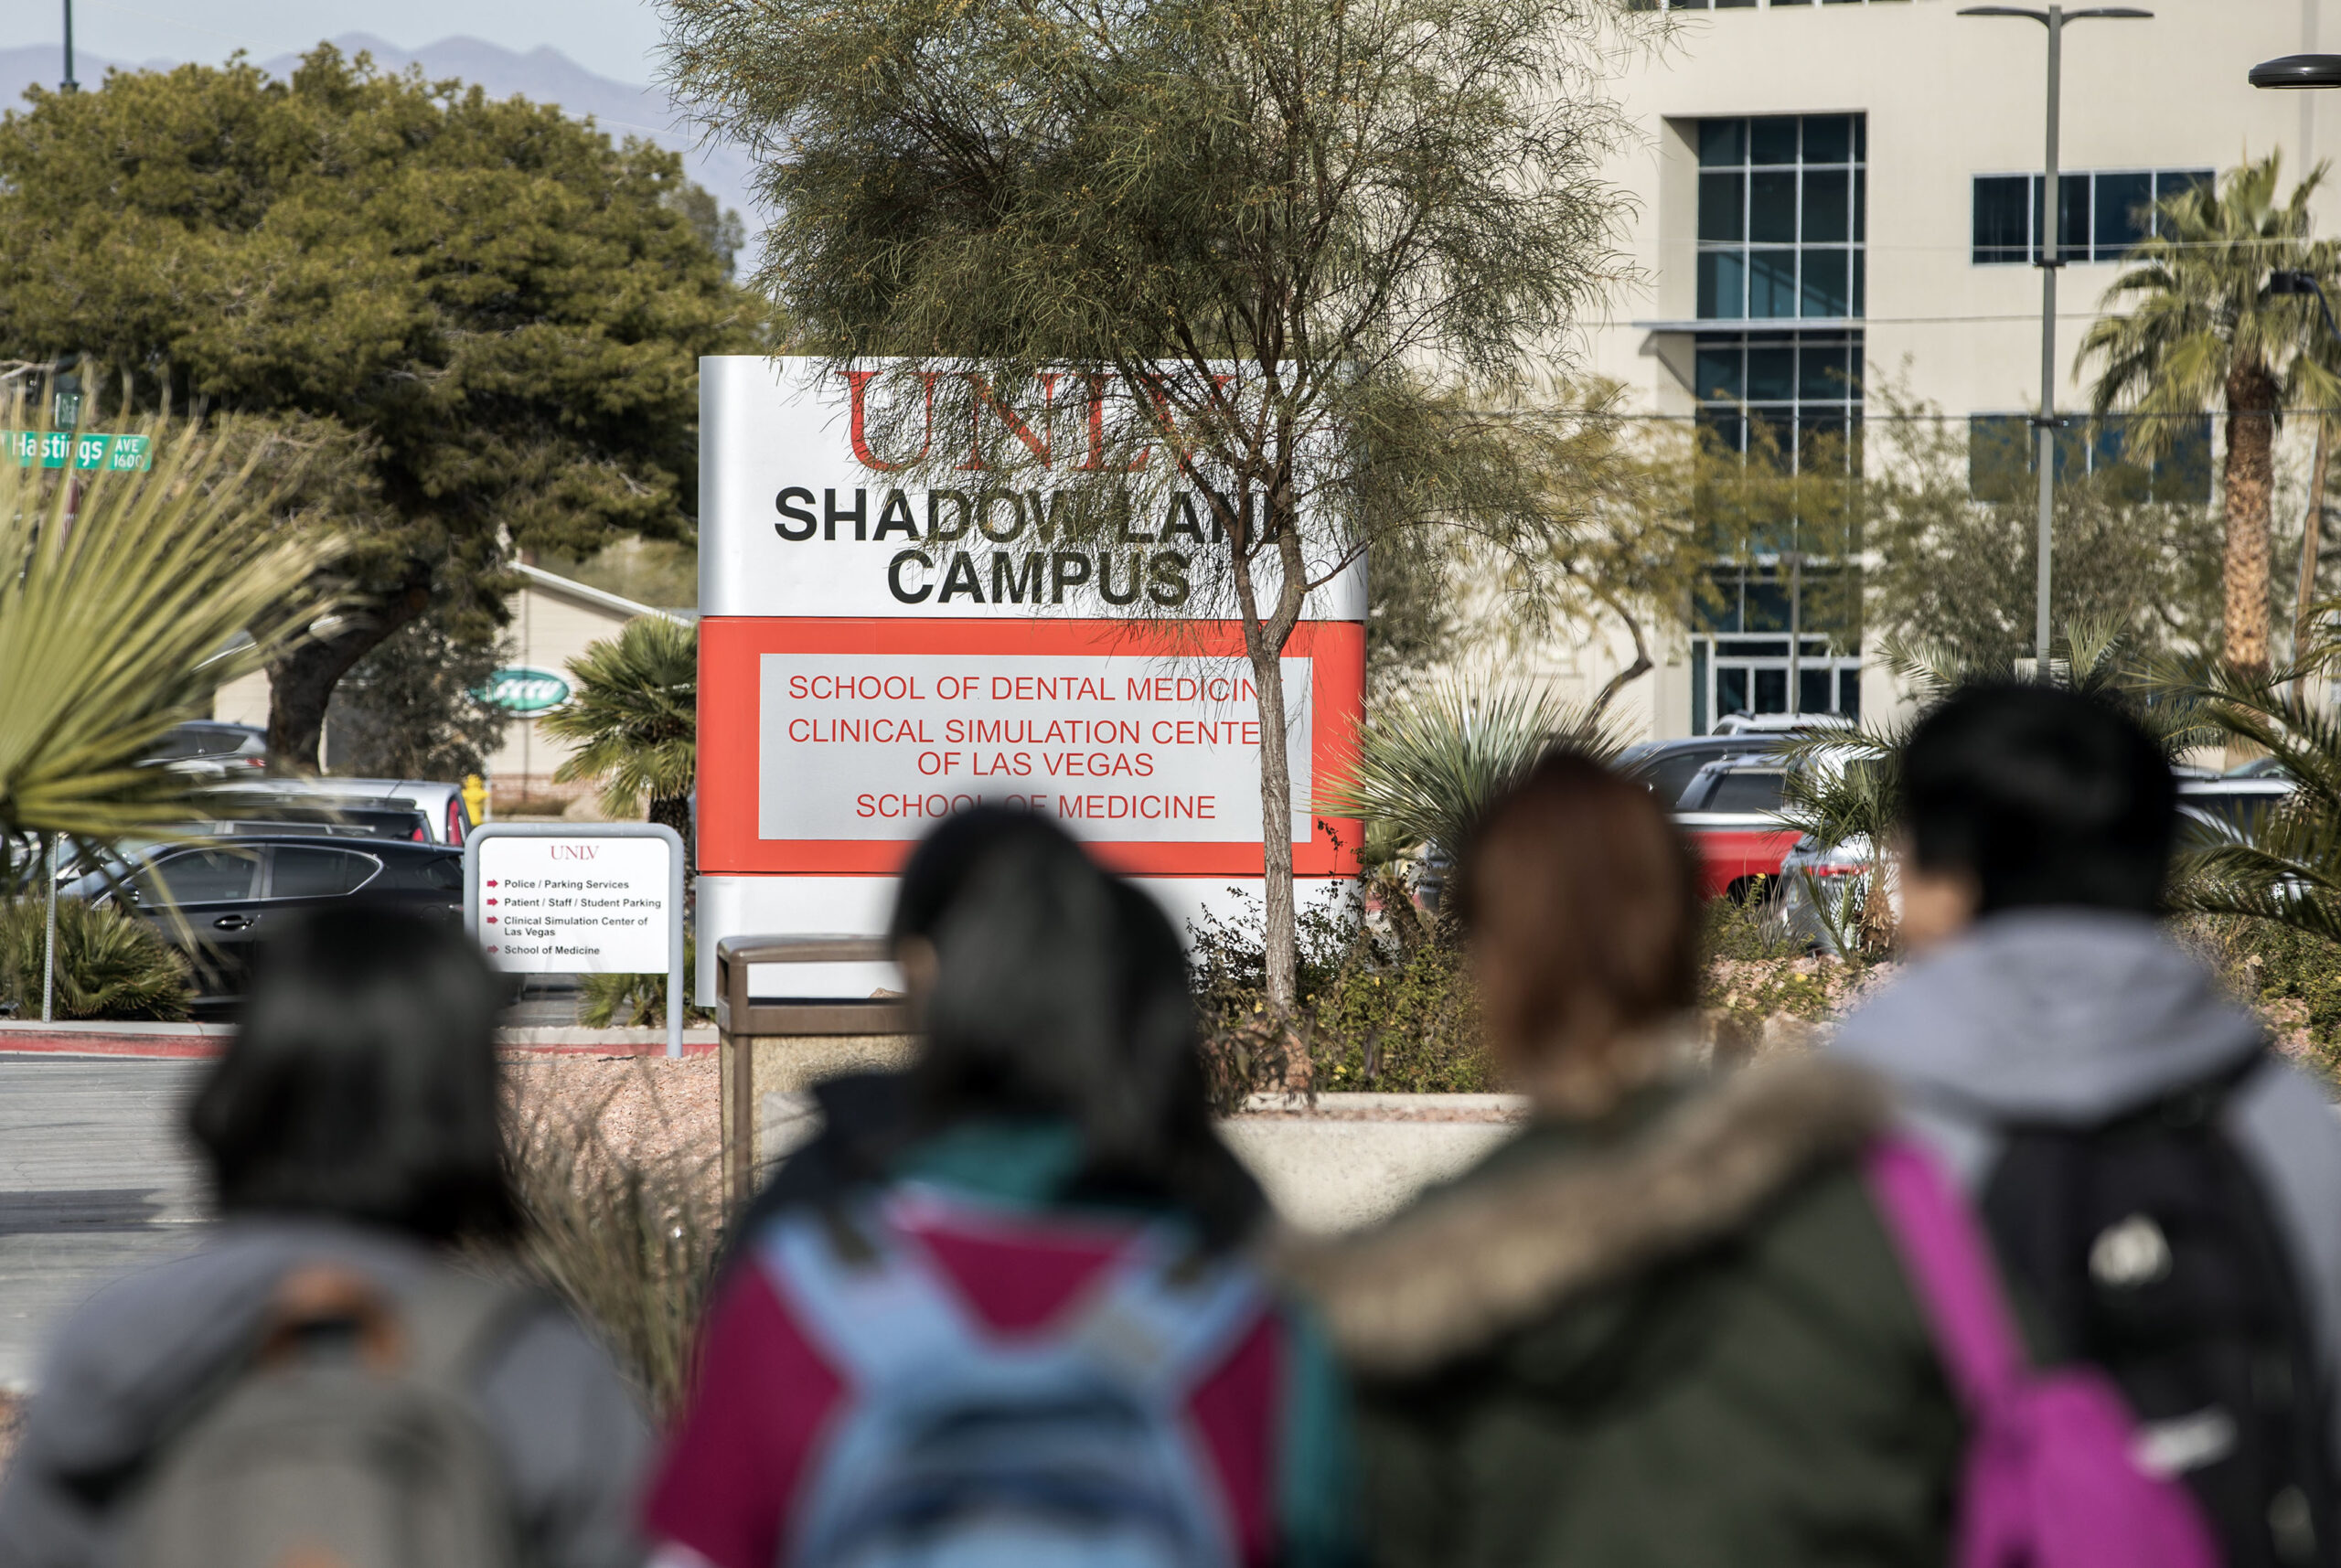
{"x": 785, "y": 1045}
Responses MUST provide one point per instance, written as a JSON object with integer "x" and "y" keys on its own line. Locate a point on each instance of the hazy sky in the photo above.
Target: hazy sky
{"x": 613, "y": 37}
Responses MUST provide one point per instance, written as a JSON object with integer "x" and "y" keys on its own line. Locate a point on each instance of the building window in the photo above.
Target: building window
{"x": 2100, "y": 214}
{"x": 1742, "y": 639}
{"x": 1805, "y": 385}
{"x": 2003, "y": 458}
{"x": 1782, "y": 214}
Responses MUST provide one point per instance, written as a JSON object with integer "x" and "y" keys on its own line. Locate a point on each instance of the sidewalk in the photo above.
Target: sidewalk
{"x": 180, "y": 1042}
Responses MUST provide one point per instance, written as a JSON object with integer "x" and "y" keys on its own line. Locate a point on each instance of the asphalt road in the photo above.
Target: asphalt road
{"x": 95, "y": 1180}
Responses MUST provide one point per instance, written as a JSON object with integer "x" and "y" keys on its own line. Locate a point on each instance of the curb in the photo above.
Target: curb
{"x": 184, "y": 1042}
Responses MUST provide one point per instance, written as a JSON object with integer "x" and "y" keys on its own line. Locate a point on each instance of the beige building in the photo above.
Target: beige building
{"x": 553, "y": 620}
{"x": 1821, "y": 187}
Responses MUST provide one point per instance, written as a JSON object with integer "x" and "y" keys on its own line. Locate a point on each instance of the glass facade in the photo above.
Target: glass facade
{"x": 1805, "y": 385}
{"x": 2002, "y": 457}
{"x": 2100, "y": 214}
{"x": 1782, "y": 210}
{"x": 1740, "y": 657}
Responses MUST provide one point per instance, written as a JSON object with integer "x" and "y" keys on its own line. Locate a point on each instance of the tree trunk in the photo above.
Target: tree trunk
{"x": 2312, "y": 541}
{"x": 301, "y": 681}
{"x": 2249, "y": 483}
{"x": 1264, "y": 644}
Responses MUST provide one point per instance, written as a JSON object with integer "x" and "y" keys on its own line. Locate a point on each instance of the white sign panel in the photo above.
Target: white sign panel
{"x": 1147, "y": 750}
{"x": 806, "y": 511}
{"x": 586, "y": 905}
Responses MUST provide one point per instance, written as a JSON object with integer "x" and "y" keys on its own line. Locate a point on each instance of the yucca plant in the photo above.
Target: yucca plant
{"x": 109, "y": 964}
{"x": 1424, "y": 769}
{"x": 636, "y": 713}
{"x": 123, "y": 599}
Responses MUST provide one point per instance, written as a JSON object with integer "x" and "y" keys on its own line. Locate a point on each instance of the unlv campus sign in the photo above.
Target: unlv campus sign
{"x": 879, "y": 649}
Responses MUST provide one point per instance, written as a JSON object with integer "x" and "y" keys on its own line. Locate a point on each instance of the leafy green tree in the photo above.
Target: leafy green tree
{"x": 1261, "y": 226}
{"x": 482, "y": 317}
{"x": 1953, "y": 572}
{"x": 2191, "y": 327}
{"x": 407, "y": 709}
{"x": 634, "y": 712}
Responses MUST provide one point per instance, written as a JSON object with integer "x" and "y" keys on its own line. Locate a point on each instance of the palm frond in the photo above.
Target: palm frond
{"x": 636, "y": 714}
{"x": 126, "y": 599}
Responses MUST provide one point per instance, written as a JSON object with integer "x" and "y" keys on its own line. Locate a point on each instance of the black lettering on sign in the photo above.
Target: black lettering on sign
{"x": 786, "y": 502}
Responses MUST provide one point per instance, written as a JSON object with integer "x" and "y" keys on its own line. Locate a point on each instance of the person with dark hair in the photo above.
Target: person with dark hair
{"x": 237, "y": 1396}
{"x": 1016, "y": 1312}
{"x": 2159, "y": 1183}
{"x": 1664, "y": 1324}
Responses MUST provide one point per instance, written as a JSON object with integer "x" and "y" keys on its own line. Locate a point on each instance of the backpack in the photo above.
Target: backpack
{"x": 2052, "y": 1477}
{"x": 2151, "y": 1249}
{"x": 965, "y": 1447}
{"x": 347, "y": 1438}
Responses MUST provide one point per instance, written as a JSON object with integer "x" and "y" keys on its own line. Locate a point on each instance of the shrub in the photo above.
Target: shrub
{"x": 627, "y": 1237}
{"x": 1383, "y": 1003}
{"x": 636, "y": 1001}
{"x": 2293, "y": 977}
{"x": 109, "y": 964}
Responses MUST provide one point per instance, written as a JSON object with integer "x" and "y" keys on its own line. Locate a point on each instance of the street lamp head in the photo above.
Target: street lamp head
{"x": 2289, "y": 280}
{"x": 2298, "y": 71}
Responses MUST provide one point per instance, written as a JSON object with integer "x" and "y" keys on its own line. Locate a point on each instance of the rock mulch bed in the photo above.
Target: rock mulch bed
{"x": 647, "y": 1108}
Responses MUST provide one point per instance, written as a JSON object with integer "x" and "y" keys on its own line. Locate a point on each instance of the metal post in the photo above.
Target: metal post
{"x": 68, "y": 84}
{"x": 48, "y": 942}
{"x": 1796, "y": 631}
{"x": 2049, "y": 263}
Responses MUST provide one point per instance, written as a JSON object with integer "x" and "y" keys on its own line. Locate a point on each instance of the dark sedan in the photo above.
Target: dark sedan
{"x": 216, "y": 897}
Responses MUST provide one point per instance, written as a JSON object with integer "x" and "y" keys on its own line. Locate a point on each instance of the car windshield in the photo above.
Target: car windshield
{"x": 2239, "y": 809}
{"x": 1743, "y": 790}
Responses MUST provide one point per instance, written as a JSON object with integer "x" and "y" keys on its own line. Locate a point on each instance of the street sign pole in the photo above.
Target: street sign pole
{"x": 529, "y": 908}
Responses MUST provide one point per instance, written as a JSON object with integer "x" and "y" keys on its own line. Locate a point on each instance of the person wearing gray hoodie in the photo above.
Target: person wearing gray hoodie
{"x": 353, "y": 1133}
{"x": 2065, "y": 1057}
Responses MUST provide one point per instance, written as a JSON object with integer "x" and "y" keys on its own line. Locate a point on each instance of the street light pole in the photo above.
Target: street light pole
{"x": 2045, "y": 422}
{"x": 68, "y": 84}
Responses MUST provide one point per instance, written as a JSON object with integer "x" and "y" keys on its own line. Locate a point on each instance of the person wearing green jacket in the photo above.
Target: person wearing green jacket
{"x": 1663, "y": 1326}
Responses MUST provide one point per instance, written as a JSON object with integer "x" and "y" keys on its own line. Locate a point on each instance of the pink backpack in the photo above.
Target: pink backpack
{"x": 2051, "y": 1480}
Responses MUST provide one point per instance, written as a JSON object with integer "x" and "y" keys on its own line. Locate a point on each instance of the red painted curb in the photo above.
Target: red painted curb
{"x": 196, "y": 1047}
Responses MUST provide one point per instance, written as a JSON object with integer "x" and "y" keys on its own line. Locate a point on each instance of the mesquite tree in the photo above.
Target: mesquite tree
{"x": 1290, "y": 263}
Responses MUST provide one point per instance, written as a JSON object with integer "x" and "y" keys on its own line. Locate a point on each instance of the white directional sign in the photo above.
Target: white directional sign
{"x": 600, "y": 899}
{"x": 576, "y": 905}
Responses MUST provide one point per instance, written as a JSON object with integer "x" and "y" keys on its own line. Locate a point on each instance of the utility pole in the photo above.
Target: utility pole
{"x": 2045, "y": 423}
{"x": 68, "y": 84}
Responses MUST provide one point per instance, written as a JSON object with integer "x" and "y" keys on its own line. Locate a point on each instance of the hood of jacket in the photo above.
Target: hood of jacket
{"x": 1535, "y": 1227}
{"x": 2052, "y": 1014}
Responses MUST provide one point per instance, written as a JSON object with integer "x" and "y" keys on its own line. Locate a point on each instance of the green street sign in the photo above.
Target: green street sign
{"x": 88, "y": 451}
{"x": 523, "y": 690}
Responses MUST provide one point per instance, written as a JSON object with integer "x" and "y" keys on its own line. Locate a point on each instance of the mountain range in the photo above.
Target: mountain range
{"x": 543, "y": 74}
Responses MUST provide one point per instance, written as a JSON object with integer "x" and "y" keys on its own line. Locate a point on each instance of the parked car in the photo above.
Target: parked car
{"x": 1668, "y": 766}
{"x": 2237, "y": 799}
{"x": 348, "y": 817}
{"x": 1730, "y": 810}
{"x": 215, "y": 898}
{"x": 1822, "y": 886}
{"x": 208, "y": 748}
{"x": 442, "y": 804}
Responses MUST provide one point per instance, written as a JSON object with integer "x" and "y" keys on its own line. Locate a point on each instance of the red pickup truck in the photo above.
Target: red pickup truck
{"x": 1729, "y": 811}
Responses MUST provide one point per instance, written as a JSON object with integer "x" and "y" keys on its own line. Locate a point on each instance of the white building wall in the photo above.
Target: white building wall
{"x": 1946, "y": 98}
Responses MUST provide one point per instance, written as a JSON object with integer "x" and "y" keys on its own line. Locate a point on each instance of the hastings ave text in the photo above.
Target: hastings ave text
{"x": 1009, "y": 547}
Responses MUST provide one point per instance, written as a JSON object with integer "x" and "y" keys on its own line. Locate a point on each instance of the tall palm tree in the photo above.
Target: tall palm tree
{"x": 636, "y": 716}
{"x": 125, "y": 601}
{"x": 2192, "y": 327}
